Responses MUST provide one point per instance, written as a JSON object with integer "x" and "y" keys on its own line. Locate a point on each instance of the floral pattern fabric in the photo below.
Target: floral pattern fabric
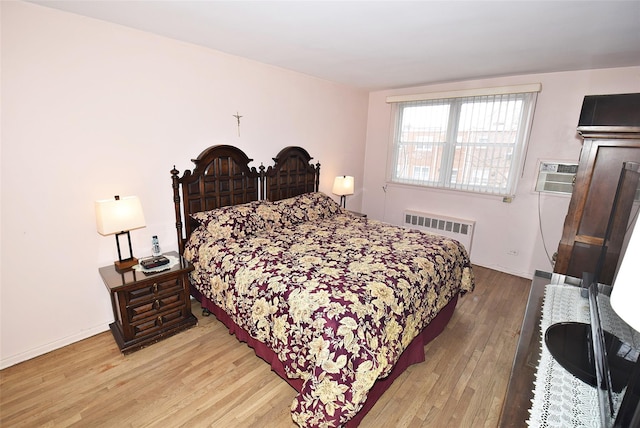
{"x": 233, "y": 222}
{"x": 305, "y": 207}
{"x": 337, "y": 297}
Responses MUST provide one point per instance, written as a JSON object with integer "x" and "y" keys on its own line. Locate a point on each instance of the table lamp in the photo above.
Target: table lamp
{"x": 343, "y": 186}
{"x": 118, "y": 216}
{"x": 625, "y": 294}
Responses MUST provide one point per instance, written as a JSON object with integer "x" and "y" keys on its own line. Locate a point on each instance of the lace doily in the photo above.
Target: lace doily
{"x": 559, "y": 398}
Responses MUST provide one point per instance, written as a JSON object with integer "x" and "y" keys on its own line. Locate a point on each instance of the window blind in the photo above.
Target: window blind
{"x": 513, "y": 89}
{"x": 471, "y": 143}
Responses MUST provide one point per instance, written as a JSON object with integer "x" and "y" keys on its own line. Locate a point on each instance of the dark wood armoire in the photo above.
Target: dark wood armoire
{"x": 610, "y": 127}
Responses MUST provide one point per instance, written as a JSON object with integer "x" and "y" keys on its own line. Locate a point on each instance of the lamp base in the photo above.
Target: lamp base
{"x": 125, "y": 264}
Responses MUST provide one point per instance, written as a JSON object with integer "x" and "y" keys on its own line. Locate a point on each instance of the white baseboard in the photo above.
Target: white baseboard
{"x": 52, "y": 346}
{"x": 528, "y": 275}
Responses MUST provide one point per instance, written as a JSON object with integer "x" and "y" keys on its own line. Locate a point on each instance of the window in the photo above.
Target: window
{"x": 472, "y": 141}
{"x": 421, "y": 172}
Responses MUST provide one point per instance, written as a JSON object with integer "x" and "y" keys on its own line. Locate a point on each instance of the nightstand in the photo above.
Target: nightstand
{"x": 148, "y": 307}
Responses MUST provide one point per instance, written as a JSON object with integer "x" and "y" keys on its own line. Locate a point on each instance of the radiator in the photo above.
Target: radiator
{"x": 455, "y": 228}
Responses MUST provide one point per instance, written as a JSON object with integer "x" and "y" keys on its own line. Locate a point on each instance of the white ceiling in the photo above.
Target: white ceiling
{"x": 392, "y": 44}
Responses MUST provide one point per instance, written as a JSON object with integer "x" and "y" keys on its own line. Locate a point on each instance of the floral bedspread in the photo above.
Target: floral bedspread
{"x": 336, "y": 297}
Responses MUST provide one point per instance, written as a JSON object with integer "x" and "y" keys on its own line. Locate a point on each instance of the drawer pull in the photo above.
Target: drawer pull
{"x": 156, "y": 304}
{"x": 159, "y": 321}
{"x": 155, "y": 288}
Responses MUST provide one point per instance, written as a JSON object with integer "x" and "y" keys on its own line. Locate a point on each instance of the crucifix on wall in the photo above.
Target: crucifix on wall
{"x": 237, "y": 116}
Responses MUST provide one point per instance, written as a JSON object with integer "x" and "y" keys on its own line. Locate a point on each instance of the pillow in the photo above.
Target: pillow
{"x": 306, "y": 207}
{"x": 232, "y": 222}
{"x": 321, "y": 205}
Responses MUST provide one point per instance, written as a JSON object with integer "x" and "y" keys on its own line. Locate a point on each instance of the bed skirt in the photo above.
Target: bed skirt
{"x": 412, "y": 355}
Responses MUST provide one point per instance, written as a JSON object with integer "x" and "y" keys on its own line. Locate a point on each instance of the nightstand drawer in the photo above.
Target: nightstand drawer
{"x": 150, "y": 308}
{"x": 162, "y": 321}
{"x": 151, "y": 290}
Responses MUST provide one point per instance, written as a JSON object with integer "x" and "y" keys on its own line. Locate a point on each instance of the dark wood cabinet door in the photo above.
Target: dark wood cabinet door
{"x": 585, "y": 226}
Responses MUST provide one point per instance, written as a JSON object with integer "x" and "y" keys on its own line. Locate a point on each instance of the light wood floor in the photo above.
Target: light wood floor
{"x": 205, "y": 377}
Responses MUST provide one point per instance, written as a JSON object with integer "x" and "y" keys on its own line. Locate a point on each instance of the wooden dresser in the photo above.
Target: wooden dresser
{"x": 515, "y": 410}
{"x": 148, "y": 307}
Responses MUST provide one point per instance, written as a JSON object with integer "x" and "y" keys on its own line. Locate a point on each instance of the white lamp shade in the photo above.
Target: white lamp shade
{"x": 625, "y": 296}
{"x": 343, "y": 185}
{"x": 119, "y": 215}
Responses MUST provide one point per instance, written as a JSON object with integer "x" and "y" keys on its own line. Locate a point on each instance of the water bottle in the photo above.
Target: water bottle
{"x": 155, "y": 246}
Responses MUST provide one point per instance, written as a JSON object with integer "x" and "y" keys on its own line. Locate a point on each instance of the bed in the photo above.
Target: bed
{"x": 338, "y": 304}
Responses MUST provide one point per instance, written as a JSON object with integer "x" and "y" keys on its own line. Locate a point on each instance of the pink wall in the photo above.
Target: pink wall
{"x": 90, "y": 110}
{"x": 502, "y": 229}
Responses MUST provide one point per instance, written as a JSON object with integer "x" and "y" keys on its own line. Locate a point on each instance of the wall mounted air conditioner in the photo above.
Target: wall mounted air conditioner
{"x": 556, "y": 177}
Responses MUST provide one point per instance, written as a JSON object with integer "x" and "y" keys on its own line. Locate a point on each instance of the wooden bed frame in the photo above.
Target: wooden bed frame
{"x": 222, "y": 177}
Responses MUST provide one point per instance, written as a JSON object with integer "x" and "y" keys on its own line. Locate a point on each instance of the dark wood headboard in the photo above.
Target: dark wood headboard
{"x": 222, "y": 176}
{"x": 293, "y": 174}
